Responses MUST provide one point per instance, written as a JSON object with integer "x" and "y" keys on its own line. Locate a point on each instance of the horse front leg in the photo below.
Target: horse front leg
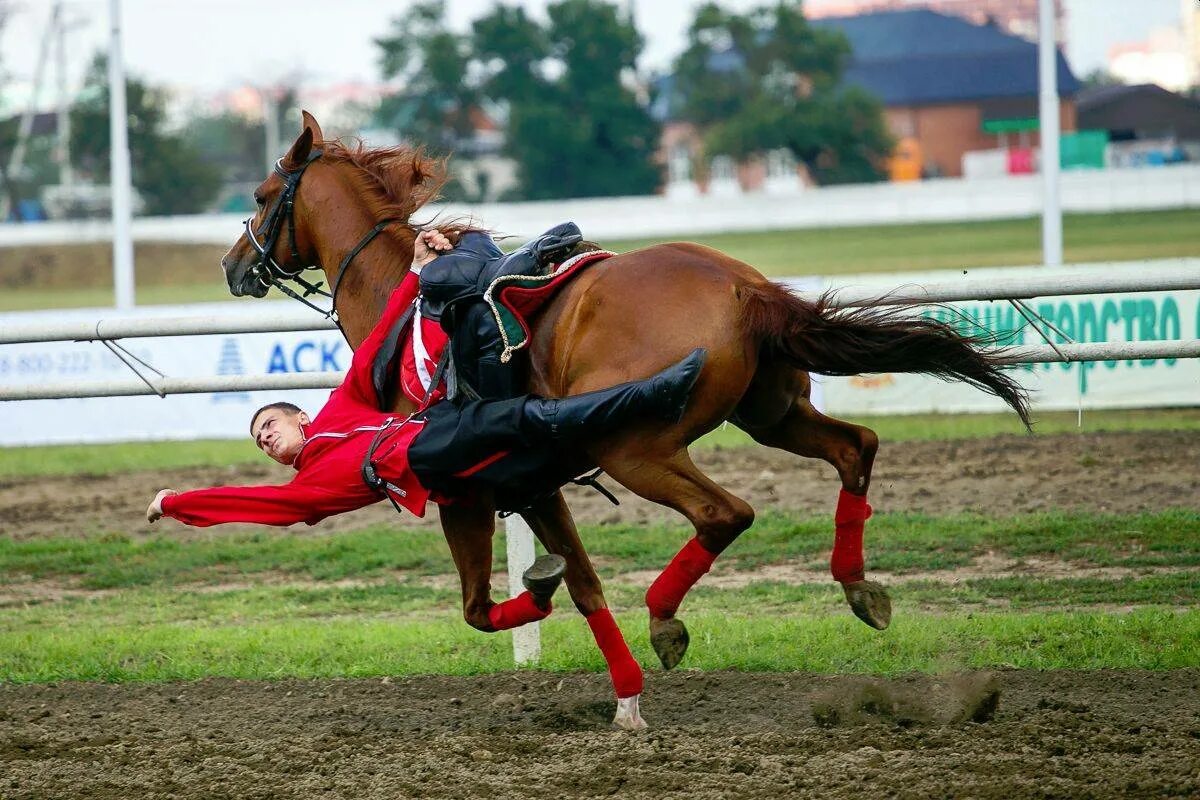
{"x": 551, "y": 521}
{"x": 469, "y": 529}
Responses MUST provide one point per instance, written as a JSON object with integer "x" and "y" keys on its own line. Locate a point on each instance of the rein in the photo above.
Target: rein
{"x": 270, "y": 272}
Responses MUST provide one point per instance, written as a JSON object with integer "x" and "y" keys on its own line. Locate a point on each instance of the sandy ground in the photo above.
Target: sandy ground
{"x": 1014, "y": 734}
{"x": 1110, "y": 472}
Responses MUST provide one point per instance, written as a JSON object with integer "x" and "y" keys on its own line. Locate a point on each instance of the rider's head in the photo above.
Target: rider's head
{"x": 276, "y": 429}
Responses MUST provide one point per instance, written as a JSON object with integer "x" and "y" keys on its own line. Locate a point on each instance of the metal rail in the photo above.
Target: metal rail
{"x": 1052, "y": 285}
{"x": 1020, "y": 354}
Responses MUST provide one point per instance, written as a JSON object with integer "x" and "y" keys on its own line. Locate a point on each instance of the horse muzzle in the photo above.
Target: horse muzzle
{"x": 245, "y": 280}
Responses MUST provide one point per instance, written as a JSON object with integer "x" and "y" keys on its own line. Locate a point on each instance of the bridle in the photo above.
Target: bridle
{"x": 270, "y": 272}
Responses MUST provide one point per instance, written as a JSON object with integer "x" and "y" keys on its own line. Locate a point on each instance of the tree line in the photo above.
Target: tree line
{"x": 566, "y": 91}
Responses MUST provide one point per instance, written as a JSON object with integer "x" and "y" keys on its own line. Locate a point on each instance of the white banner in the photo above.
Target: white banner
{"x": 197, "y": 416}
{"x": 1132, "y": 317}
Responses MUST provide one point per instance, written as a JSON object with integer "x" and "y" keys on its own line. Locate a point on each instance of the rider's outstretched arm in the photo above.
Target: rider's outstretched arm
{"x": 298, "y": 501}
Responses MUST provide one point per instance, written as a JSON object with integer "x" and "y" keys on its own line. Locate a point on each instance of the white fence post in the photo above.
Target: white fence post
{"x": 527, "y": 639}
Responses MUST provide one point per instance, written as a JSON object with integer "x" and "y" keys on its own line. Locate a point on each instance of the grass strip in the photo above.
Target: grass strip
{"x": 353, "y": 647}
{"x": 892, "y": 248}
{"x": 410, "y": 600}
{"x": 106, "y": 459}
{"x": 896, "y": 543}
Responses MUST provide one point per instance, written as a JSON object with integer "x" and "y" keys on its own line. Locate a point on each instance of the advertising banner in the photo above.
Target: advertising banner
{"x": 192, "y": 416}
{"x": 1133, "y": 317}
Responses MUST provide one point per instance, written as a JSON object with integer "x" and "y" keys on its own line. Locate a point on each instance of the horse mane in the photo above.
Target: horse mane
{"x": 396, "y": 181}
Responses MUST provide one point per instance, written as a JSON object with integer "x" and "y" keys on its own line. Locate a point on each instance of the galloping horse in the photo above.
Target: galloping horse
{"x": 621, "y": 319}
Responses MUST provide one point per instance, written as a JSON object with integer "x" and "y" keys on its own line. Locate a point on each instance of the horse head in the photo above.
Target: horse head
{"x": 324, "y": 200}
{"x": 277, "y": 241}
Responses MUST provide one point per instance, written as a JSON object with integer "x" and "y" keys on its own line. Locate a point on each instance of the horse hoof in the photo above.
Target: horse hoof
{"x": 629, "y": 716}
{"x": 544, "y": 575}
{"x": 669, "y": 637}
{"x": 870, "y": 602}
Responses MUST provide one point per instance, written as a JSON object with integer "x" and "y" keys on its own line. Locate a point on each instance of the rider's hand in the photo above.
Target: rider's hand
{"x": 428, "y": 246}
{"x": 154, "y": 512}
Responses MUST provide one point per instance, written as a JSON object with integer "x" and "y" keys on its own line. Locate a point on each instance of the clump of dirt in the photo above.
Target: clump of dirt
{"x": 971, "y": 697}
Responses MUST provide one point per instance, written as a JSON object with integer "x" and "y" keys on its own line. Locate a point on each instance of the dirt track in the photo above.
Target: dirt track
{"x": 714, "y": 735}
{"x": 1111, "y": 472}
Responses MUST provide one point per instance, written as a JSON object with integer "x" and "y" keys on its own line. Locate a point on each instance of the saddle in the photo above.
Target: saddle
{"x": 465, "y": 273}
{"x": 453, "y": 291}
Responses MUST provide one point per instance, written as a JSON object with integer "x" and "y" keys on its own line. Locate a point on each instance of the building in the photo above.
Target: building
{"x": 950, "y": 86}
{"x": 1145, "y": 125}
{"x": 1018, "y": 17}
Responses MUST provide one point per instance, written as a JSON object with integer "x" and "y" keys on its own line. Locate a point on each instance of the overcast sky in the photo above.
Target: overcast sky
{"x": 214, "y": 44}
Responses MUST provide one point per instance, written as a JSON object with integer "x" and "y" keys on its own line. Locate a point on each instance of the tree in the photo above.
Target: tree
{"x": 1100, "y": 78}
{"x": 168, "y": 171}
{"x": 573, "y": 126}
{"x": 767, "y": 79}
{"x": 435, "y": 106}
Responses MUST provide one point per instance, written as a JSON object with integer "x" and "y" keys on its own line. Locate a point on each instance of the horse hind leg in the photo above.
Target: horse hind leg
{"x": 666, "y": 475}
{"x": 851, "y": 450}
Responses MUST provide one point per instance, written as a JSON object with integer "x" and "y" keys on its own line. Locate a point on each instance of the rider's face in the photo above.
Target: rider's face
{"x": 279, "y": 434}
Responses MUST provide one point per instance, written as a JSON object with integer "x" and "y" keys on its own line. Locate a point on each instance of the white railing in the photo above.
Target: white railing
{"x": 1158, "y": 279}
{"x": 1022, "y": 354}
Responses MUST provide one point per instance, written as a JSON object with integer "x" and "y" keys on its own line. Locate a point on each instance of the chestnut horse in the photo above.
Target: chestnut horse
{"x": 622, "y": 319}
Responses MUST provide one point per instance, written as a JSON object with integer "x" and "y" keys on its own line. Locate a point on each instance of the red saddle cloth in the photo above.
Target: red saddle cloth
{"x": 515, "y": 298}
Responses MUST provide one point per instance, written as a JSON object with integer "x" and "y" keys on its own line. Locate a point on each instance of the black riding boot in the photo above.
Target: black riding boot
{"x": 661, "y": 396}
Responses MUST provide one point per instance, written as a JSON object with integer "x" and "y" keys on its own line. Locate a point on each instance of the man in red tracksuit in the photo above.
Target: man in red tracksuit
{"x": 352, "y": 454}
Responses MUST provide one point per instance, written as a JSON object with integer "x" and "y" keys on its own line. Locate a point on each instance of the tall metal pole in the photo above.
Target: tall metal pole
{"x": 16, "y": 160}
{"x": 122, "y": 204}
{"x": 64, "y": 107}
{"x": 1052, "y": 244}
{"x": 271, "y": 123}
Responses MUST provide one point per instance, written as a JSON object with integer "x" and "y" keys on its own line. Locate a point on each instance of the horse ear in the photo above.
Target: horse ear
{"x": 310, "y": 122}
{"x": 300, "y": 149}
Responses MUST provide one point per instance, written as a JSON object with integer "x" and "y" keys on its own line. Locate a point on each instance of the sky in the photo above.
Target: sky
{"x": 210, "y": 45}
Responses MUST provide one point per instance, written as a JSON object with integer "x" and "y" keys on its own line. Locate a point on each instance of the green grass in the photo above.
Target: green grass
{"x": 359, "y": 646}
{"x": 105, "y": 459}
{"x": 937, "y": 427}
{"x": 30, "y": 299}
{"x": 894, "y": 248}
{"x": 905, "y": 543}
{"x": 358, "y": 603}
{"x": 822, "y": 251}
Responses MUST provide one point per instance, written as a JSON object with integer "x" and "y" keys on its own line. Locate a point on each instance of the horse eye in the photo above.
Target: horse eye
{"x": 258, "y": 199}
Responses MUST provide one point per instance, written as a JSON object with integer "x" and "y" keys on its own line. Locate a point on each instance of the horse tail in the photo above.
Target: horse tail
{"x": 817, "y": 337}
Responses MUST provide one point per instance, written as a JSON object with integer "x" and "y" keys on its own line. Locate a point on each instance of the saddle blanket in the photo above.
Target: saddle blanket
{"x": 515, "y": 298}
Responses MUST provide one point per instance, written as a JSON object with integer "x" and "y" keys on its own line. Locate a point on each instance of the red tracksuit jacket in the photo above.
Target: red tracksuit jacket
{"x": 329, "y": 477}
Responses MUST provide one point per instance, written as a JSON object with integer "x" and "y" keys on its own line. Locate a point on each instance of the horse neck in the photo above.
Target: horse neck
{"x": 371, "y": 276}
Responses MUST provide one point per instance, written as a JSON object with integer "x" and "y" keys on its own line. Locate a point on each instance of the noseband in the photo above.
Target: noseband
{"x": 270, "y": 272}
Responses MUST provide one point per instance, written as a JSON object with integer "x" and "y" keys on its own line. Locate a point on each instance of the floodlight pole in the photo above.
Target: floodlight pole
{"x": 119, "y": 173}
{"x": 1048, "y": 111}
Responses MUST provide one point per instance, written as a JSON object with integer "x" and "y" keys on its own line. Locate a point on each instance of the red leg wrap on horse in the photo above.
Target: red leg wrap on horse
{"x": 515, "y": 612}
{"x": 846, "y": 563}
{"x": 623, "y": 668}
{"x": 689, "y": 564}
